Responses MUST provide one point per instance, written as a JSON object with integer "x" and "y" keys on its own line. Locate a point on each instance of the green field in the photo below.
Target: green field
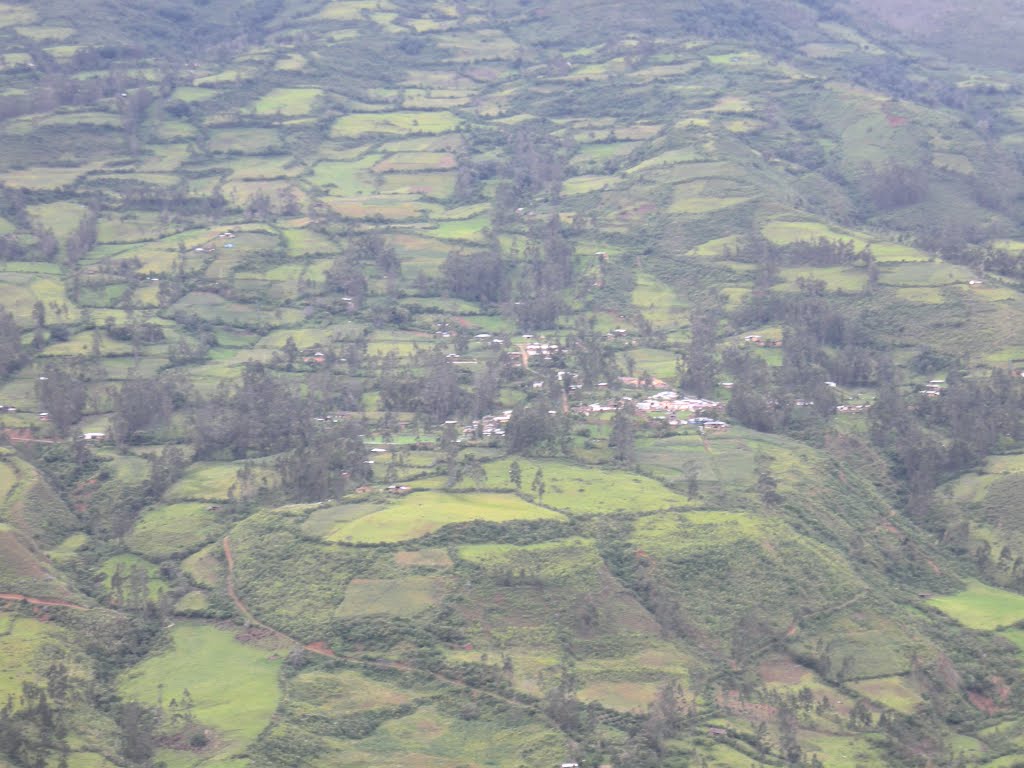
{"x": 402, "y": 123}
{"x": 21, "y": 640}
{"x": 397, "y": 597}
{"x": 584, "y": 490}
{"x": 233, "y": 685}
{"x": 174, "y": 530}
{"x": 286, "y": 255}
{"x": 982, "y": 607}
{"x": 421, "y": 513}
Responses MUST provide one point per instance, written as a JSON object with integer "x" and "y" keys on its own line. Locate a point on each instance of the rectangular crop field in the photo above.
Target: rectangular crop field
{"x": 982, "y": 607}
{"x": 421, "y": 513}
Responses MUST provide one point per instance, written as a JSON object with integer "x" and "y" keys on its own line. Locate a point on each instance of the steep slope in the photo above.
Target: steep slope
{"x": 510, "y": 383}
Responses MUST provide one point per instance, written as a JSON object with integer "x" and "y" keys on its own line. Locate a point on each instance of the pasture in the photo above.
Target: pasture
{"x": 424, "y": 512}
{"x": 233, "y": 685}
{"x": 583, "y": 490}
{"x": 401, "y": 123}
{"x": 405, "y": 596}
{"x": 981, "y": 606}
{"x": 22, "y": 640}
{"x": 174, "y": 530}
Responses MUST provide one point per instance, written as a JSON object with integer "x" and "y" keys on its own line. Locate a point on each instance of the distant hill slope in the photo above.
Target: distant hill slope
{"x": 463, "y": 383}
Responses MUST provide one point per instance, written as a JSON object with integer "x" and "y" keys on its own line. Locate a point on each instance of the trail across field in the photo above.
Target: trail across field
{"x": 323, "y": 650}
{"x": 40, "y": 601}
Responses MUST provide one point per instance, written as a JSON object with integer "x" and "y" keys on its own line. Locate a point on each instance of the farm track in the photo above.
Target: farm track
{"x": 322, "y": 649}
{"x": 40, "y": 601}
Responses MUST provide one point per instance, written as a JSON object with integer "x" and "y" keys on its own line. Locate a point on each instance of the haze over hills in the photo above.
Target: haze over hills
{"x": 511, "y": 383}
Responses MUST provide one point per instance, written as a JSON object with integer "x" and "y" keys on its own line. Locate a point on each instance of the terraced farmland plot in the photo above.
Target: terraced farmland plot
{"x": 421, "y": 513}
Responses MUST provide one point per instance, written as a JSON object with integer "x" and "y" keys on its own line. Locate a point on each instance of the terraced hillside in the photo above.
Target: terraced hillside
{"x": 510, "y": 384}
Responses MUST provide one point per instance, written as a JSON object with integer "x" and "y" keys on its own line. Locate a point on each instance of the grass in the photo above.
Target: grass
{"x": 758, "y": 562}
{"x": 233, "y": 685}
{"x": 342, "y": 692}
{"x": 687, "y": 200}
{"x": 206, "y": 481}
{"x": 430, "y": 738}
{"x": 469, "y": 230}
{"x": 127, "y": 562}
{"x": 205, "y": 567}
{"x": 430, "y": 184}
{"x": 349, "y": 177}
{"x": 982, "y": 607}
{"x": 393, "y": 207}
{"x": 174, "y": 530}
{"x": 400, "y": 123}
{"x": 21, "y": 640}
{"x": 288, "y": 101}
{"x": 406, "y": 596}
{"x": 68, "y": 548}
{"x": 255, "y": 141}
{"x": 433, "y": 558}
{"x": 586, "y": 490}
{"x": 193, "y": 603}
{"x": 625, "y": 696}
{"x": 925, "y": 274}
{"x": 421, "y": 513}
{"x": 416, "y": 161}
{"x": 24, "y": 571}
{"x": 326, "y": 520}
{"x": 893, "y": 692}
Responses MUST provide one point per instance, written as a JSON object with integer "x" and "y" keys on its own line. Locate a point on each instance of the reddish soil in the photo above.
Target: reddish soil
{"x": 23, "y": 435}
{"x": 782, "y": 670}
{"x": 983, "y": 703}
{"x": 1002, "y": 689}
{"x": 39, "y": 601}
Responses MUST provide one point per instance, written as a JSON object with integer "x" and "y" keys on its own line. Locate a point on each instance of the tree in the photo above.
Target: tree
{"x": 477, "y": 276}
{"x": 515, "y": 475}
{"x": 140, "y": 405}
{"x": 345, "y": 276}
{"x": 12, "y": 352}
{"x": 374, "y": 247}
{"x": 537, "y": 486}
{"x": 535, "y": 426}
{"x": 136, "y": 724}
{"x": 623, "y": 437}
{"x": 62, "y": 394}
{"x": 165, "y": 469}
{"x": 440, "y": 395}
{"x": 692, "y": 473}
{"x": 701, "y": 365}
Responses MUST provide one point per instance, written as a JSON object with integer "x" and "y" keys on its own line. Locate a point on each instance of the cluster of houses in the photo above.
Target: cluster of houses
{"x": 668, "y": 406}
{"x": 672, "y": 402}
{"x": 858, "y": 408}
{"x": 488, "y": 426}
{"x": 533, "y": 350}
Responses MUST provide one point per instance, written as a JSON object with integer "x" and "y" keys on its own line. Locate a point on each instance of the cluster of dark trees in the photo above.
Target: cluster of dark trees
{"x": 931, "y": 439}
{"x": 12, "y": 352}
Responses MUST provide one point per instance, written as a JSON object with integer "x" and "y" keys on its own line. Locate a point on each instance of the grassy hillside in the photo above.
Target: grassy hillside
{"x": 511, "y": 383}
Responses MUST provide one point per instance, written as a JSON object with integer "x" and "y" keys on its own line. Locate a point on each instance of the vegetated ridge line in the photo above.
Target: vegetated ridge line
{"x": 323, "y": 650}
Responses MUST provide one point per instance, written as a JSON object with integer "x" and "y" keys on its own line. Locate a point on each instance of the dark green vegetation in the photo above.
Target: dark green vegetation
{"x": 345, "y": 318}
